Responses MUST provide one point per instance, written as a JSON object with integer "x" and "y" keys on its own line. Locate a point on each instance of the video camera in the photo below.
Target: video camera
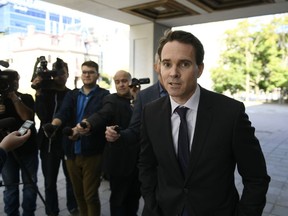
{"x": 48, "y": 76}
{"x": 7, "y": 78}
{"x": 137, "y": 82}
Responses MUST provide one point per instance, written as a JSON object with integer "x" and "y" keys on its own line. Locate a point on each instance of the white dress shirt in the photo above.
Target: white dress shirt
{"x": 191, "y": 115}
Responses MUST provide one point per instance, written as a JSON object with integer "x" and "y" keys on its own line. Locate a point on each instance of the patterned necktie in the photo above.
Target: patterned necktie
{"x": 183, "y": 140}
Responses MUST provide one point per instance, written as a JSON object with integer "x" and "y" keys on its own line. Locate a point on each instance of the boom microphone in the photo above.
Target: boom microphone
{"x": 7, "y": 123}
{"x": 4, "y": 63}
{"x": 67, "y": 131}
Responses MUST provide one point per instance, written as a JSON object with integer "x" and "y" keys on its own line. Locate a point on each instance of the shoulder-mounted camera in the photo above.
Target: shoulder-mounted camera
{"x": 7, "y": 81}
{"x": 137, "y": 82}
{"x": 46, "y": 74}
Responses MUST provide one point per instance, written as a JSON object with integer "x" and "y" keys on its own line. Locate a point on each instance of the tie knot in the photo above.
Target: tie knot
{"x": 181, "y": 112}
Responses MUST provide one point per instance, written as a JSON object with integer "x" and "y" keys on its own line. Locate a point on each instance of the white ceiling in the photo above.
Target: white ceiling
{"x": 111, "y": 9}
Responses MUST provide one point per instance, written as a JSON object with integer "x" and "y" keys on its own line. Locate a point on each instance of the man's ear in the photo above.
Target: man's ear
{"x": 200, "y": 70}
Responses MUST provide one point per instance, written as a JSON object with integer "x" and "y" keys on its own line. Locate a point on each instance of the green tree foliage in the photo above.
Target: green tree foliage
{"x": 255, "y": 58}
{"x": 105, "y": 81}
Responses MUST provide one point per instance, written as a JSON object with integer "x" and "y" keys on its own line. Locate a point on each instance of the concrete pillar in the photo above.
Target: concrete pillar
{"x": 143, "y": 46}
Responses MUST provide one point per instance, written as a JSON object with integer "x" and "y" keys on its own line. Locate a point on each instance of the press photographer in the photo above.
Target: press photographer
{"x": 20, "y": 107}
{"x": 50, "y": 86}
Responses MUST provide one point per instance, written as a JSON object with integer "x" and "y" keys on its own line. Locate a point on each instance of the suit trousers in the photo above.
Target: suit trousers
{"x": 85, "y": 175}
{"x": 125, "y": 194}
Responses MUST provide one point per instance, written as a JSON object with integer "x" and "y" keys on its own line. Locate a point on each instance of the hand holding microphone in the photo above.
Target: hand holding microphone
{"x": 71, "y": 133}
{"x": 83, "y": 127}
{"x": 112, "y": 133}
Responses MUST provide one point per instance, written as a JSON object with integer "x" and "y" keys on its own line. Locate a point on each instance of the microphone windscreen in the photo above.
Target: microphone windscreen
{"x": 67, "y": 131}
{"x": 83, "y": 125}
{"x": 4, "y": 63}
{"x": 7, "y": 123}
{"x": 49, "y": 128}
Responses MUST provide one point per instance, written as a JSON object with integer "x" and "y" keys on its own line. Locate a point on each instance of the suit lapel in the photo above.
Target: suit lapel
{"x": 203, "y": 122}
{"x": 166, "y": 135}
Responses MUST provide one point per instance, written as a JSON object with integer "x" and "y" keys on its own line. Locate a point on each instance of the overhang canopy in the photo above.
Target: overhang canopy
{"x": 172, "y": 13}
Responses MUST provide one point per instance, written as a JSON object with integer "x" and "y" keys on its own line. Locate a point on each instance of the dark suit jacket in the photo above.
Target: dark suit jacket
{"x": 119, "y": 157}
{"x": 132, "y": 133}
{"x": 223, "y": 139}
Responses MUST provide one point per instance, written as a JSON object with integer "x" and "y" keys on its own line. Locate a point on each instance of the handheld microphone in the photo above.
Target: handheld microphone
{"x": 117, "y": 129}
{"x": 4, "y": 63}
{"x": 67, "y": 131}
{"x": 49, "y": 130}
{"x": 7, "y": 123}
{"x": 83, "y": 125}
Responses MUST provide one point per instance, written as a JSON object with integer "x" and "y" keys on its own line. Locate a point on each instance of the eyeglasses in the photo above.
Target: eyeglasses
{"x": 88, "y": 72}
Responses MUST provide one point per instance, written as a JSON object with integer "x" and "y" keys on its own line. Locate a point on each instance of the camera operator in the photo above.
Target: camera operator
{"x": 25, "y": 158}
{"x": 48, "y": 101}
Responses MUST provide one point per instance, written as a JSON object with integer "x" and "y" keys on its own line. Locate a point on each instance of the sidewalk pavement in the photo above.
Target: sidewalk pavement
{"x": 270, "y": 121}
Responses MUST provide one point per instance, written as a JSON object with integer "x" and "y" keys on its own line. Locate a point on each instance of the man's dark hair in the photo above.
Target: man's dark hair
{"x": 91, "y": 64}
{"x": 55, "y": 65}
{"x": 182, "y": 37}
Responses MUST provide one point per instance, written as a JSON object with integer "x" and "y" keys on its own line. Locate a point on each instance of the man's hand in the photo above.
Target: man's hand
{"x": 36, "y": 83}
{"x": 111, "y": 134}
{"x": 14, "y": 140}
{"x": 83, "y": 128}
{"x": 2, "y": 108}
{"x": 75, "y": 135}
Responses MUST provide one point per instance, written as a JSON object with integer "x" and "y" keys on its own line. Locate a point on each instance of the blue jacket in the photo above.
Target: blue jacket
{"x": 93, "y": 143}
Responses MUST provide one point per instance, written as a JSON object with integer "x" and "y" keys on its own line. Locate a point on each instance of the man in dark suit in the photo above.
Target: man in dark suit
{"x": 132, "y": 133}
{"x": 220, "y": 136}
{"x": 120, "y": 156}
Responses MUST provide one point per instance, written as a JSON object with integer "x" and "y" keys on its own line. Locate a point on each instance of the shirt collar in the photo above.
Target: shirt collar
{"x": 192, "y": 103}
{"x": 162, "y": 91}
{"x": 91, "y": 92}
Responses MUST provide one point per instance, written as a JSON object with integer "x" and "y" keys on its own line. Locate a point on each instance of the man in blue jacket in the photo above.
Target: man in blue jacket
{"x": 84, "y": 154}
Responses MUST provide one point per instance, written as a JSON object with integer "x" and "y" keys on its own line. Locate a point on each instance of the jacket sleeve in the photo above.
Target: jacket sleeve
{"x": 148, "y": 172}
{"x": 66, "y": 111}
{"x": 101, "y": 118}
{"x": 132, "y": 133}
{"x": 251, "y": 166}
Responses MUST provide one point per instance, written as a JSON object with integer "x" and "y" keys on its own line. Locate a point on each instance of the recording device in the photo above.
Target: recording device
{"x": 7, "y": 81}
{"x": 137, "y": 82}
{"x": 67, "y": 131}
{"x": 117, "y": 129}
{"x": 83, "y": 125}
{"x": 4, "y": 63}
{"x": 26, "y": 125}
{"x": 47, "y": 75}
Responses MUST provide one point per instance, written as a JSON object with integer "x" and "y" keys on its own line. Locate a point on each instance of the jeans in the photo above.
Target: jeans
{"x": 85, "y": 173}
{"x": 28, "y": 164}
{"x": 50, "y": 169}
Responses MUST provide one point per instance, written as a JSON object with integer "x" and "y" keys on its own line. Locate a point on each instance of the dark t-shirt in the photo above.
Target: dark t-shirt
{"x": 30, "y": 145}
